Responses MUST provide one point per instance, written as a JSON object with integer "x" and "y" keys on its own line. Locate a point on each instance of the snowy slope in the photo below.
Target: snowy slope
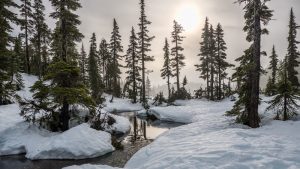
{"x": 213, "y": 141}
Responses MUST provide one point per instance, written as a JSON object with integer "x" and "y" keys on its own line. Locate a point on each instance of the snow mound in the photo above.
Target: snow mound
{"x": 77, "y": 143}
{"x": 121, "y": 105}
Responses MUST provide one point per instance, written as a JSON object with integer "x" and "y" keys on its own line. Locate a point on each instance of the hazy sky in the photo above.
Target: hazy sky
{"x": 97, "y": 16}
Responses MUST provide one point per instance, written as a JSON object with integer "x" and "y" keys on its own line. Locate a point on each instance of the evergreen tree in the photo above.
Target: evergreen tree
{"x": 177, "y": 62}
{"x": 285, "y": 103}
{"x": 203, "y": 68}
{"x": 256, "y": 14}
{"x": 93, "y": 71}
{"x": 40, "y": 38}
{"x": 242, "y": 75}
{"x": 83, "y": 64}
{"x": 212, "y": 61}
{"x": 271, "y": 87}
{"x": 144, "y": 47}
{"x": 148, "y": 87}
{"x": 66, "y": 87}
{"x": 166, "y": 71}
{"x": 132, "y": 59}
{"x": 27, "y": 26}
{"x": 184, "y": 82}
{"x": 221, "y": 64}
{"x": 293, "y": 53}
{"x": 115, "y": 49}
{"x": 104, "y": 57}
{"x": 16, "y": 63}
{"x": 7, "y": 17}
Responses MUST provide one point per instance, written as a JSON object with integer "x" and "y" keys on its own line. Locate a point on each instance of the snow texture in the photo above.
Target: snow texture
{"x": 17, "y": 136}
{"x": 214, "y": 141}
{"x": 120, "y": 105}
{"x": 77, "y": 143}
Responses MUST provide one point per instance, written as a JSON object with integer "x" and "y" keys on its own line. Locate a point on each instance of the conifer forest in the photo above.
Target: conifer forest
{"x": 148, "y": 84}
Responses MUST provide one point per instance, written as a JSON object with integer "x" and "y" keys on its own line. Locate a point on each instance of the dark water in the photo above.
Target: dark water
{"x": 142, "y": 133}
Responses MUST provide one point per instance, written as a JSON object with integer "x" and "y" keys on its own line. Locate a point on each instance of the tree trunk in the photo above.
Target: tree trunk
{"x": 65, "y": 117}
{"x": 254, "y": 99}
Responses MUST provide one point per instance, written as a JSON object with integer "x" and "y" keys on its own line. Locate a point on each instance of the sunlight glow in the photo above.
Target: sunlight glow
{"x": 188, "y": 16}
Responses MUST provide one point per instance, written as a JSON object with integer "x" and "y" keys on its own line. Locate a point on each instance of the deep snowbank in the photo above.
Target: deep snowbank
{"x": 213, "y": 141}
{"x": 120, "y": 105}
{"x": 17, "y": 136}
{"x": 77, "y": 143}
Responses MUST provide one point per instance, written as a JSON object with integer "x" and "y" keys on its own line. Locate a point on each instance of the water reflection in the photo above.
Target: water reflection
{"x": 144, "y": 129}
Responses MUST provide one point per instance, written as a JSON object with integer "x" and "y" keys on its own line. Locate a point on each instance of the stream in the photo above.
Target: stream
{"x": 143, "y": 132}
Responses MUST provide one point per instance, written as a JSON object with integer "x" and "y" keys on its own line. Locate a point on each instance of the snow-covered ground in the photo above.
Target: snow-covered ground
{"x": 17, "y": 136}
{"x": 213, "y": 141}
{"x": 120, "y": 105}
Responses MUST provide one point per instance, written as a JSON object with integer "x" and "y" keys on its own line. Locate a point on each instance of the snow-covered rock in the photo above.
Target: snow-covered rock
{"x": 77, "y": 143}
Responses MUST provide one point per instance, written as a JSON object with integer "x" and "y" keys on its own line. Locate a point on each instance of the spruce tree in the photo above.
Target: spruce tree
{"x": 221, "y": 64}
{"x": 285, "y": 102}
{"x": 93, "y": 71}
{"x": 7, "y": 17}
{"x": 83, "y": 64}
{"x": 256, "y": 14}
{"x": 104, "y": 57}
{"x": 144, "y": 47}
{"x": 27, "y": 26}
{"x": 204, "y": 54}
{"x": 115, "y": 49}
{"x": 166, "y": 71}
{"x": 41, "y": 36}
{"x": 212, "y": 61}
{"x": 184, "y": 82}
{"x": 148, "y": 87}
{"x": 16, "y": 63}
{"x": 177, "y": 62}
{"x": 132, "y": 64}
{"x": 271, "y": 87}
{"x": 293, "y": 53}
{"x": 65, "y": 88}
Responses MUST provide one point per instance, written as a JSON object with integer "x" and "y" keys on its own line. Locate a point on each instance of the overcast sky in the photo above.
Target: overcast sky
{"x": 97, "y": 16}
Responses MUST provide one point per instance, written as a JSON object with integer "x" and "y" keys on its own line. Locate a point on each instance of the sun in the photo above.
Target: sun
{"x": 188, "y": 16}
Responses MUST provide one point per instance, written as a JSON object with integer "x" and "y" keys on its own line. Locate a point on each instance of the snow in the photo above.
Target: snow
{"x": 17, "y": 136}
{"x": 213, "y": 141}
{"x": 122, "y": 124}
{"x": 120, "y": 105}
{"x": 89, "y": 166}
{"x": 77, "y": 143}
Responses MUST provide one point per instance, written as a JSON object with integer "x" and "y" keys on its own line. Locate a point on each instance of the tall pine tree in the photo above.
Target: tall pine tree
{"x": 93, "y": 71}
{"x": 27, "y": 26}
{"x": 271, "y": 85}
{"x": 204, "y": 54}
{"x": 41, "y": 36}
{"x": 7, "y": 17}
{"x": 115, "y": 49}
{"x": 144, "y": 47}
{"x": 166, "y": 71}
{"x": 256, "y": 14}
{"x": 293, "y": 53}
{"x": 221, "y": 64}
{"x": 83, "y": 64}
{"x": 132, "y": 60}
{"x": 285, "y": 102}
{"x": 177, "y": 62}
{"x": 104, "y": 57}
